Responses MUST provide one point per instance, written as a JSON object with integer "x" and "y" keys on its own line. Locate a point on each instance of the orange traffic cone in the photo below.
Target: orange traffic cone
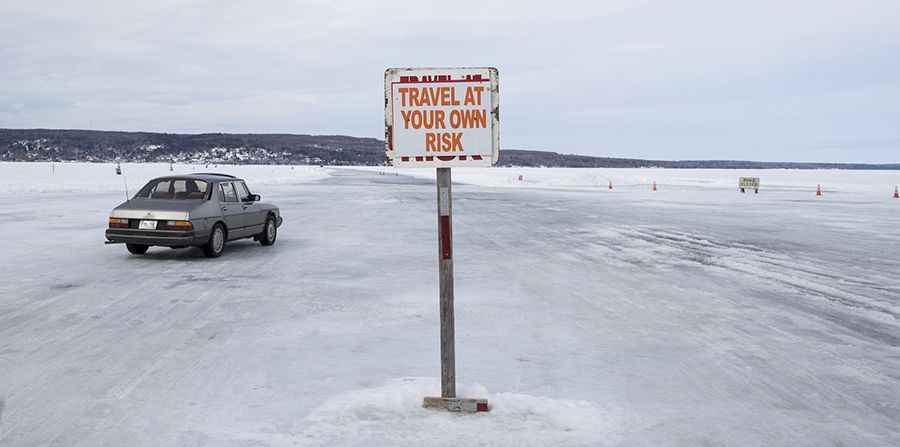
{"x": 610, "y": 185}
{"x": 818, "y": 190}
{"x": 654, "y": 187}
{"x": 896, "y": 193}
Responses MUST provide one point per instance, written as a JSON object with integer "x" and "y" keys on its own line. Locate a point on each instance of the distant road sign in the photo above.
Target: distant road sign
{"x": 442, "y": 117}
{"x": 748, "y": 183}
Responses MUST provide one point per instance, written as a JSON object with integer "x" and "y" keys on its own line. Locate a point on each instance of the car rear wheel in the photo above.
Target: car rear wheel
{"x": 270, "y": 232}
{"x": 216, "y": 244}
{"x": 137, "y": 249}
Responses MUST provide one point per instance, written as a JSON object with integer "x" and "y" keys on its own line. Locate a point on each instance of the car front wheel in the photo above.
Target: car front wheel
{"x": 216, "y": 244}
{"x": 270, "y": 232}
{"x": 137, "y": 249}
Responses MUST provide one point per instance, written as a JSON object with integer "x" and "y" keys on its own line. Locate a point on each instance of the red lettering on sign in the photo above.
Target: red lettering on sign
{"x": 468, "y": 119}
{"x": 443, "y": 142}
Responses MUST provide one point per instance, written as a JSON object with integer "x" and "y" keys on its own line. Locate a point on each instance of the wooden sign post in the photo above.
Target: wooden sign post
{"x": 445, "y": 274}
{"x": 448, "y": 400}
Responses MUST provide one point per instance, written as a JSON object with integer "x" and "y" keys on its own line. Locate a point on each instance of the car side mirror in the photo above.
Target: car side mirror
{"x": 255, "y": 198}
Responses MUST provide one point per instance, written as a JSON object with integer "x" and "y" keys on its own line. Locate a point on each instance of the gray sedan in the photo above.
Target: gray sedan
{"x": 197, "y": 210}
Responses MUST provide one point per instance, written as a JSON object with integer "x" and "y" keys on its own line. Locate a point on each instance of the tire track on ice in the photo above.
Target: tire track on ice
{"x": 848, "y": 295}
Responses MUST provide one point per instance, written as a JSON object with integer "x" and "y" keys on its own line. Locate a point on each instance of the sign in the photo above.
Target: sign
{"x": 748, "y": 183}
{"x": 441, "y": 117}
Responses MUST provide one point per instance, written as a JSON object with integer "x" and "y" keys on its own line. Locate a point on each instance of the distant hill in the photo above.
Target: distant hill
{"x": 553, "y": 159}
{"x": 93, "y": 145}
{"x": 107, "y": 146}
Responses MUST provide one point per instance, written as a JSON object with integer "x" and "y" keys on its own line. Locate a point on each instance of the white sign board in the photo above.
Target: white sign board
{"x": 441, "y": 117}
{"x": 748, "y": 182}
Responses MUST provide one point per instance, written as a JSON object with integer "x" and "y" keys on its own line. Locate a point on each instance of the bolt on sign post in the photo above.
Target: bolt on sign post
{"x": 443, "y": 118}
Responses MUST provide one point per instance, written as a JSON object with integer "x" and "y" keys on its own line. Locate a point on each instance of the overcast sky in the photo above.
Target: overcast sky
{"x": 762, "y": 80}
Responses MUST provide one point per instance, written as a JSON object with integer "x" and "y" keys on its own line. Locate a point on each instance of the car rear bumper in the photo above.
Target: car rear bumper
{"x": 156, "y": 237}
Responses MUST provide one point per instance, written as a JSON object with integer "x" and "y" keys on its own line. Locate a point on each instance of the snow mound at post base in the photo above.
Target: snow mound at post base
{"x": 392, "y": 414}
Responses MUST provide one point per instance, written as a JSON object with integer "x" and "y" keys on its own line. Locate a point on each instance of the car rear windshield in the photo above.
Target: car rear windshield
{"x": 174, "y": 189}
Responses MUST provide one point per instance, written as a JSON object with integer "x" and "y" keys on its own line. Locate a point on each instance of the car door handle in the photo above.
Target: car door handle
{"x": 224, "y": 208}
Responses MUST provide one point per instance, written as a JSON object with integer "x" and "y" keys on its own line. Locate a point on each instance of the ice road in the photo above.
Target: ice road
{"x": 690, "y": 316}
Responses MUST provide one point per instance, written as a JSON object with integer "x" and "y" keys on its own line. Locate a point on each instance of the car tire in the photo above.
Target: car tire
{"x": 137, "y": 249}
{"x": 216, "y": 244}
{"x": 270, "y": 232}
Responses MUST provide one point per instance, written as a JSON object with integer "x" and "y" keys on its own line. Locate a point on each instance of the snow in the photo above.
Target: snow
{"x": 862, "y": 184}
{"x": 691, "y": 316}
{"x": 57, "y": 177}
{"x": 371, "y": 416}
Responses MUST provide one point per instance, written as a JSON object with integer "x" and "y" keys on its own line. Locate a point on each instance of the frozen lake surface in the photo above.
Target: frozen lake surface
{"x": 691, "y": 316}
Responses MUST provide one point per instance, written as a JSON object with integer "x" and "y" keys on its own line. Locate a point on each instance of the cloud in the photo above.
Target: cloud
{"x": 697, "y": 79}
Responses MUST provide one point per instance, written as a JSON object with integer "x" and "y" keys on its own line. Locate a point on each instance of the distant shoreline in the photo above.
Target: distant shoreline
{"x": 711, "y": 168}
{"x": 296, "y": 149}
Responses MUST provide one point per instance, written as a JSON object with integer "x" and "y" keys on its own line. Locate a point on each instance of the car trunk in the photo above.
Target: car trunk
{"x": 156, "y": 209}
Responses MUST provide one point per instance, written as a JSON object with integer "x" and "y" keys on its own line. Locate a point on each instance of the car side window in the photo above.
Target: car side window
{"x": 228, "y": 194}
{"x": 242, "y": 191}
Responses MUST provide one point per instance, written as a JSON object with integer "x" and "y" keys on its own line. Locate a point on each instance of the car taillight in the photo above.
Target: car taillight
{"x": 179, "y": 225}
{"x": 115, "y": 222}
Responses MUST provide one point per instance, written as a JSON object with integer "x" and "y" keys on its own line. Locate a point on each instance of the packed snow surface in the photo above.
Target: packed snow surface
{"x": 693, "y": 315}
{"x": 101, "y": 177}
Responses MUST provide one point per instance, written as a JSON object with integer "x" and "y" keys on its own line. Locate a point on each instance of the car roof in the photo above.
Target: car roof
{"x": 210, "y": 177}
